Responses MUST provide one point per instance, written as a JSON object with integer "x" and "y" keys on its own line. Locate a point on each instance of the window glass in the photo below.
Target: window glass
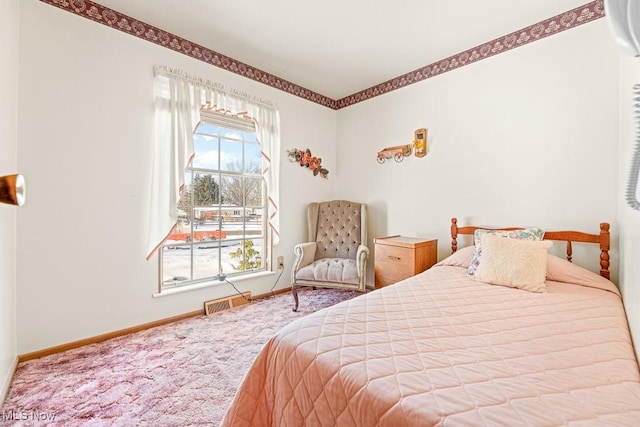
{"x": 206, "y": 152}
{"x": 221, "y": 227}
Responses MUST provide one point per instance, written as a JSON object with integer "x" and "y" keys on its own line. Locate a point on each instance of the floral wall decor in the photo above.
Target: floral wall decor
{"x": 305, "y": 159}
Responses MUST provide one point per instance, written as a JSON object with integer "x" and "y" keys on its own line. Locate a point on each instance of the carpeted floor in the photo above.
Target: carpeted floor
{"x": 182, "y": 374}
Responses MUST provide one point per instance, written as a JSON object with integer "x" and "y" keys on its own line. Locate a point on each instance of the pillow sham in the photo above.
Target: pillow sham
{"x": 561, "y": 270}
{"x": 460, "y": 258}
{"x": 520, "y": 234}
{"x": 514, "y": 263}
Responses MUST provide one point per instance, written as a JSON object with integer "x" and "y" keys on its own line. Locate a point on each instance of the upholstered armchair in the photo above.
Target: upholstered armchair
{"x": 335, "y": 255}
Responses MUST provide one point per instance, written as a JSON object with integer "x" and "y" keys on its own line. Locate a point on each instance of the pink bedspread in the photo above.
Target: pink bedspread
{"x": 442, "y": 349}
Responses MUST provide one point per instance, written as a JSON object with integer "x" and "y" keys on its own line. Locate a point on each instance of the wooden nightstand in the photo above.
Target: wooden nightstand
{"x": 399, "y": 257}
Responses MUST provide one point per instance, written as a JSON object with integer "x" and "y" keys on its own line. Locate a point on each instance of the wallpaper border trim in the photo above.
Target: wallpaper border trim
{"x": 116, "y": 20}
{"x": 570, "y": 19}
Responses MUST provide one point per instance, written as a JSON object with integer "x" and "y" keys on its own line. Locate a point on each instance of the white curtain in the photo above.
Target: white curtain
{"x": 178, "y": 100}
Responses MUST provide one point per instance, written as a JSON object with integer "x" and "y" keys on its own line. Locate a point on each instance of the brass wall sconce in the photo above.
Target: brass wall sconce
{"x": 12, "y": 190}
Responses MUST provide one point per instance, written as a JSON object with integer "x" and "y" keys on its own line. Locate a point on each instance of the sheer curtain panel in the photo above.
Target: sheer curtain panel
{"x": 179, "y": 101}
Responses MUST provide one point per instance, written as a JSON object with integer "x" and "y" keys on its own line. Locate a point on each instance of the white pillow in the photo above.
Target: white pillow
{"x": 514, "y": 263}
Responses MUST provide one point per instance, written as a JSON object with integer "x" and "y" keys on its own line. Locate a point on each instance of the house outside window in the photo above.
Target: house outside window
{"x": 222, "y": 226}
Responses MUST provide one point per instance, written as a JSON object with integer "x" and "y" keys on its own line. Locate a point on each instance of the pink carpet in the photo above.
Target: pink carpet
{"x": 182, "y": 374}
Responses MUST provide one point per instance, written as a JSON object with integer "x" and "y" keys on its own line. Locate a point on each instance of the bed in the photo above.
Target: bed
{"x": 444, "y": 348}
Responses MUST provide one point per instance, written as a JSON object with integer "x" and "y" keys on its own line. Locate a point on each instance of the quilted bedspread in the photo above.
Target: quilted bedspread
{"x": 443, "y": 349}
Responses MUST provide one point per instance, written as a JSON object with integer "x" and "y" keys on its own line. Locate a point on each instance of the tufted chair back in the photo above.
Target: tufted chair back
{"x": 337, "y": 228}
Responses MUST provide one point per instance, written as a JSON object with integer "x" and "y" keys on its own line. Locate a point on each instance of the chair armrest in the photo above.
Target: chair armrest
{"x": 305, "y": 254}
{"x": 361, "y": 259}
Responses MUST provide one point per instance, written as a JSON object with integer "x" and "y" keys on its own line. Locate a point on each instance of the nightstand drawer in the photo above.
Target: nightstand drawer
{"x": 393, "y": 264}
{"x": 398, "y": 257}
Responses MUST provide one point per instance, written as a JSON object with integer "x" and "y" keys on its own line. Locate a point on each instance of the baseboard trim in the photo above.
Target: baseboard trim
{"x": 104, "y": 337}
{"x": 122, "y": 332}
{"x": 7, "y": 380}
{"x": 272, "y": 294}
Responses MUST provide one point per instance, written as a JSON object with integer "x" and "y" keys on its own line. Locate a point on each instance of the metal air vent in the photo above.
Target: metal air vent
{"x": 223, "y": 304}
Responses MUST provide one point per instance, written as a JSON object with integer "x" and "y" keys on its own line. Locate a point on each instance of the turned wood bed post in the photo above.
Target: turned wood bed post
{"x": 605, "y": 242}
{"x": 454, "y": 235}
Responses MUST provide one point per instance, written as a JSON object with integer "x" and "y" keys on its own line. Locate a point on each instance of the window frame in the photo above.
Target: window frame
{"x": 225, "y": 124}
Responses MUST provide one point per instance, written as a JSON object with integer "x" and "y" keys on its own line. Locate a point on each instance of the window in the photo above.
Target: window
{"x": 221, "y": 230}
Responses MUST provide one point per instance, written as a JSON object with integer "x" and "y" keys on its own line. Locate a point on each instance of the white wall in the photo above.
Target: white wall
{"x": 519, "y": 139}
{"x": 85, "y": 123}
{"x": 523, "y": 138}
{"x": 629, "y": 219}
{"x": 9, "y": 14}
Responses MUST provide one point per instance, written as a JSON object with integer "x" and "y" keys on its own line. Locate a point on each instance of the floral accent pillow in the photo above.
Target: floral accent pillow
{"x": 520, "y": 234}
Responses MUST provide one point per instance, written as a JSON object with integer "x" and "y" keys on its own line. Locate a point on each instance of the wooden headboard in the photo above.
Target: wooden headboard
{"x": 603, "y": 239}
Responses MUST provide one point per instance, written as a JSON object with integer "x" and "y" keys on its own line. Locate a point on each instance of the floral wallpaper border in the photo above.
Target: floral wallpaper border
{"x": 114, "y": 19}
{"x": 570, "y": 19}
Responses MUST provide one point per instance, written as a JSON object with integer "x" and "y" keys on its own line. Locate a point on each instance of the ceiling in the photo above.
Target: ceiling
{"x": 339, "y": 47}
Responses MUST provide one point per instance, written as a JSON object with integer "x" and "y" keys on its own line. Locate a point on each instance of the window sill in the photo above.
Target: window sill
{"x": 211, "y": 283}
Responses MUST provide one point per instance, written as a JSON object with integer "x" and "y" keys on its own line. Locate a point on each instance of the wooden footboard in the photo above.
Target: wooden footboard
{"x": 603, "y": 239}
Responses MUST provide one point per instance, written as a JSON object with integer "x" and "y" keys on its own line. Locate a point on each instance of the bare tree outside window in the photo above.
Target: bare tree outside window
{"x": 243, "y": 190}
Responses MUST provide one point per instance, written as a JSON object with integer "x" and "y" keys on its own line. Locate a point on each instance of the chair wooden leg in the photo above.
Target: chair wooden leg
{"x": 294, "y": 291}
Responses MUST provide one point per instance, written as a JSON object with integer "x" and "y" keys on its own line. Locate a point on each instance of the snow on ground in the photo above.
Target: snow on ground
{"x": 177, "y": 259}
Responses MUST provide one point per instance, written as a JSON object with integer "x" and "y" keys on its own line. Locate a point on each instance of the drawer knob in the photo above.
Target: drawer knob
{"x": 397, "y": 258}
